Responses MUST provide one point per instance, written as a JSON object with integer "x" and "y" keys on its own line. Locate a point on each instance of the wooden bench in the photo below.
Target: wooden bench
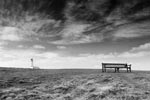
{"x": 116, "y": 66}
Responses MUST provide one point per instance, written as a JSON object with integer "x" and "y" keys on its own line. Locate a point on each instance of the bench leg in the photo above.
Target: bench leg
{"x": 130, "y": 69}
{"x": 117, "y": 69}
{"x": 105, "y": 69}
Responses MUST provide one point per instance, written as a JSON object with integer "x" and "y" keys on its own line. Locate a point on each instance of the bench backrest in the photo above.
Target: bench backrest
{"x": 112, "y": 65}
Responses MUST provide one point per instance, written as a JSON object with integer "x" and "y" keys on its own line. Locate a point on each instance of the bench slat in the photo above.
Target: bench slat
{"x": 115, "y": 66}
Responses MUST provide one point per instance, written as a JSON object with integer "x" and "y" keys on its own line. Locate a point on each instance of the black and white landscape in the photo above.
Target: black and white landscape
{"x": 74, "y": 34}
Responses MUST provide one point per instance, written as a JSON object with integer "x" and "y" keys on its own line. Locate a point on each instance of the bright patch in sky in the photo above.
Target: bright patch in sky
{"x": 10, "y": 33}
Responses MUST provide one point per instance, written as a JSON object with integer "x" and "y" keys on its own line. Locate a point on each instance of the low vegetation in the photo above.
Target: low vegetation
{"x": 28, "y": 84}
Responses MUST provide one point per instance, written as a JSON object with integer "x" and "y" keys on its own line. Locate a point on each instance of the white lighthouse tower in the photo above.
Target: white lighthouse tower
{"x": 32, "y": 65}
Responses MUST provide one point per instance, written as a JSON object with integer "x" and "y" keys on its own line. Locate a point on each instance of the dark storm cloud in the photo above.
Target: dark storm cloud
{"x": 139, "y": 6}
{"x": 54, "y": 7}
{"x": 77, "y": 21}
{"x": 89, "y": 10}
{"x": 17, "y": 8}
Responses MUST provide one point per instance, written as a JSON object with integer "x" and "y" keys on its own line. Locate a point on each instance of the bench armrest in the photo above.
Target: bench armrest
{"x": 129, "y": 65}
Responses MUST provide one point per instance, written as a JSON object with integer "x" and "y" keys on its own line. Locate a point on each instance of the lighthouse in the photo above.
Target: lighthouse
{"x": 32, "y": 63}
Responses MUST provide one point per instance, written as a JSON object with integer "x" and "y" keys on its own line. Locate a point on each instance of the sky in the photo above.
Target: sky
{"x": 74, "y": 43}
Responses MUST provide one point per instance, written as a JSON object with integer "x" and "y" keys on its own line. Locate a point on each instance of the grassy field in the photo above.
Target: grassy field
{"x": 73, "y": 84}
